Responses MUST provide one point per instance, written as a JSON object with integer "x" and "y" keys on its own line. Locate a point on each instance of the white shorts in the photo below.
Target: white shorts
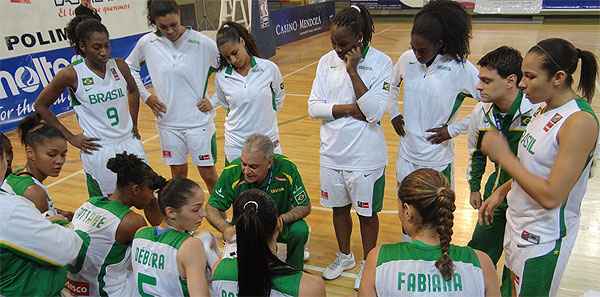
{"x": 361, "y": 188}
{"x": 233, "y": 152}
{"x": 405, "y": 167}
{"x": 100, "y": 180}
{"x": 536, "y": 269}
{"x": 200, "y": 143}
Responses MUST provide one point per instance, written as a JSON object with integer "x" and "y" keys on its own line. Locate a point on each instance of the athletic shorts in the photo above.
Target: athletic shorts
{"x": 361, "y": 188}
{"x": 535, "y": 270}
{"x": 405, "y": 167}
{"x": 199, "y": 142}
{"x": 100, "y": 180}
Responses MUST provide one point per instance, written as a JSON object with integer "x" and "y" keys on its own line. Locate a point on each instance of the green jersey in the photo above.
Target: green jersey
{"x": 283, "y": 183}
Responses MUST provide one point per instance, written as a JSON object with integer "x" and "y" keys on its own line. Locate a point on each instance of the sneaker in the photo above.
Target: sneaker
{"x": 342, "y": 263}
{"x": 306, "y": 254}
{"x": 358, "y": 278}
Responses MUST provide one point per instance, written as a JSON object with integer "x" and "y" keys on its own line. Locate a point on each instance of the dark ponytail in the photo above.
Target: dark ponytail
{"x": 560, "y": 54}
{"x": 233, "y": 32}
{"x": 32, "y": 130}
{"x": 255, "y": 217}
{"x": 130, "y": 169}
{"x": 428, "y": 191}
{"x": 80, "y": 28}
{"x": 357, "y": 19}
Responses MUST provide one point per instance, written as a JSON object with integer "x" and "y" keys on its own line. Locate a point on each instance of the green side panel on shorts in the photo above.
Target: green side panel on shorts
{"x": 507, "y": 285}
{"x": 115, "y": 255}
{"x": 447, "y": 172}
{"x": 538, "y": 273}
{"x": 213, "y": 147}
{"x": 92, "y": 186}
{"x": 378, "y": 193}
{"x": 184, "y": 287}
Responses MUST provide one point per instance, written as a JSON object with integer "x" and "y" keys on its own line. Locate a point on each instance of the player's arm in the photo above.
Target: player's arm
{"x": 65, "y": 78}
{"x": 396, "y": 116}
{"x": 192, "y": 260}
{"x": 299, "y": 198}
{"x": 490, "y": 278}
{"x": 374, "y": 102}
{"x": 128, "y": 226}
{"x": 367, "y": 282}
{"x": 134, "y": 61}
{"x": 311, "y": 286}
{"x": 577, "y": 139}
{"x": 28, "y": 234}
{"x": 277, "y": 87}
{"x": 38, "y": 196}
{"x": 219, "y": 201}
{"x": 477, "y": 160}
{"x": 133, "y": 95}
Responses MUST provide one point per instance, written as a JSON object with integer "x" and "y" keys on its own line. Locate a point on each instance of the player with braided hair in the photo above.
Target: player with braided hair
{"x": 429, "y": 264}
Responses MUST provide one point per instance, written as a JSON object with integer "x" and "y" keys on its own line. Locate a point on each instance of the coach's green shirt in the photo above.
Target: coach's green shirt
{"x": 283, "y": 183}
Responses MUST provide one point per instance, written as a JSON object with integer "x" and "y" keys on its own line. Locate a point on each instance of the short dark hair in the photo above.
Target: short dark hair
{"x": 505, "y": 60}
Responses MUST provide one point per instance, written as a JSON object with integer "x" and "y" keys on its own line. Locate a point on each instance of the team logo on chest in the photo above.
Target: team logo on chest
{"x": 555, "y": 119}
{"x": 114, "y": 74}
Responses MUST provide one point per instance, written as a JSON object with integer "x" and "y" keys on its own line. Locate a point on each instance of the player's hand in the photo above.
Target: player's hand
{"x": 229, "y": 233}
{"x": 280, "y": 223}
{"x": 440, "y": 134}
{"x": 85, "y": 144}
{"x": 352, "y": 58}
{"x": 136, "y": 132}
{"x": 486, "y": 211}
{"x": 65, "y": 213}
{"x": 356, "y": 113}
{"x": 475, "y": 200}
{"x": 204, "y": 105}
{"x": 156, "y": 105}
{"x": 495, "y": 146}
{"x": 398, "y": 124}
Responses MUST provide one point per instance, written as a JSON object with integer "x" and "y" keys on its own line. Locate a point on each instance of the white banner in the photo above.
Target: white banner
{"x": 508, "y": 6}
{"x": 38, "y": 25}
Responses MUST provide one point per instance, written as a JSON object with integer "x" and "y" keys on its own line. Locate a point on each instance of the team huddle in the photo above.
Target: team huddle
{"x": 538, "y": 132}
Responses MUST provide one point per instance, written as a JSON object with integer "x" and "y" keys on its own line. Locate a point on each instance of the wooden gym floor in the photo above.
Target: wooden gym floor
{"x": 300, "y": 140}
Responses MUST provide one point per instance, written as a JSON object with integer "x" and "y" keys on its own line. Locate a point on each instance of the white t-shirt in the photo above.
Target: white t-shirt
{"x": 252, "y": 101}
{"x": 348, "y": 143}
{"x": 432, "y": 96}
{"x": 180, "y": 72}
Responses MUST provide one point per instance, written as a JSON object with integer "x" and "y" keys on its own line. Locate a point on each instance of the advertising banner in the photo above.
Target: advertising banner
{"x": 508, "y": 6}
{"x": 36, "y": 47}
{"x": 571, "y": 4}
{"x": 295, "y": 23}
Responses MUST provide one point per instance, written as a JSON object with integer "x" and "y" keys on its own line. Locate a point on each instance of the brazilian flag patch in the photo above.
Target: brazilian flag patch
{"x": 386, "y": 86}
{"x": 525, "y": 120}
{"x": 88, "y": 81}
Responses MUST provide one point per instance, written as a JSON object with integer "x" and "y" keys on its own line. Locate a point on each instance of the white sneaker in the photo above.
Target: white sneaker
{"x": 360, "y": 272}
{"x": 342, "y": 263}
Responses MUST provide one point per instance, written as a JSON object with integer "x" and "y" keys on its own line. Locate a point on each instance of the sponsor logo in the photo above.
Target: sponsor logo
{"x": 115, "y": 74}
{"x": 31, "y": 79}
{"x": 362, "y": 204}
{"x": 32, "y": 39}
{"x": 530, "y": 237}
{"x": 300, "y": 198}
{"x": 555, "y": 119}
{"x": 21, "y": 1}
{"x": 194, "y": 41}
{"x": 443, "y": 67}
{"x": 87, "y": 81}
{"x": 525, "y": 120}
{"x": 365, "y": 68}
{"x": 204, "y": 157}
{"x": 324, "y": 195}
{"x": 166, "y": 154}
{"x": 277, "y": 190}
{"x": 386, "y": 86}
{"x": 78, "y": 288}
{"x": 300, "y": 24}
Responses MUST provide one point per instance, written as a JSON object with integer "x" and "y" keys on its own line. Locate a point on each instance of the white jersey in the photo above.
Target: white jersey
{"x": 408, "y": 269}
{"x": 527, "y": 221}
{"x": 101, "y": 104}
{"x": 432, "y": 96}
{"x": 154, "y": 262}
{"x": 348, "y": 143}
{"x": 105, "y": 269}
{"x": 252, "y": 101}
{"x": 180, "y": 72}
{"x": 18, "y": 184}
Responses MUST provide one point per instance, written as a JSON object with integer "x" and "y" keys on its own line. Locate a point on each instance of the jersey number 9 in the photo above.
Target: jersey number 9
{"x": 113, "y": 116}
